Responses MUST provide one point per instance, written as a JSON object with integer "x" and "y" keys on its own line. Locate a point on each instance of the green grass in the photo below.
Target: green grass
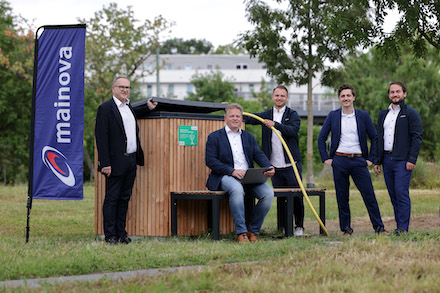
{"x": 62, "y": 242}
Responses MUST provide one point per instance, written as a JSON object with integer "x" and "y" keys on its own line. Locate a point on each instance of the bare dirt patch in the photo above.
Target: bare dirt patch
{"x": 362, "y": 226}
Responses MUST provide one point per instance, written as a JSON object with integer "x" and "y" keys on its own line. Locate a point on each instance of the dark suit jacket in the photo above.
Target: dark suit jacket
{"x": 111, "y": 140}
{"x": 333, "y": 124}
{"x": 220, "y": 160}
{"x": 407, "y": 135}
{"x": 288, "y": 127}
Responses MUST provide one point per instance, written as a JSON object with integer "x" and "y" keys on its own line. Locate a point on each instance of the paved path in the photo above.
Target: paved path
{"x": 34, "y": 283}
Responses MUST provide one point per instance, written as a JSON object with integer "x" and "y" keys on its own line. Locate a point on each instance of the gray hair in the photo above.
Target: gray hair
{"x": 233, "y": 106}
{"x": 118, "y": 78}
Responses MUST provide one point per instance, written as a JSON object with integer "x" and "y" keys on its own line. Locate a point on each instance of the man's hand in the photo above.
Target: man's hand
{"x": 270, "y": 172}
{"x": 410, "y": 166}
{"x": 328, "y": 162}
{"x": 377, "y": 169}
{"x": 239, "y": 174}
{"x": 150, "y": 104}
{"x": 106, "y": 171}
{"x": 369, "y": 163}
{"x": 269, "y": 123}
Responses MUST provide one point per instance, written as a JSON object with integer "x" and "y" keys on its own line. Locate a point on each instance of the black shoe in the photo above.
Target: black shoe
{"x": 125, "y": 240}
{"x": 400, "y": 232}
{"x": 112, "y": 241}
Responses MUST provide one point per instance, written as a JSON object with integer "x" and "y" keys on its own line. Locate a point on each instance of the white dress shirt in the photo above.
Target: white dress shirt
{"x": 349, "y": 141}
{"x": 236, "y": 144}
{"x": 277, "y": 155}
{"x": 129, "y": 124}
{"x": 389, "y": 127}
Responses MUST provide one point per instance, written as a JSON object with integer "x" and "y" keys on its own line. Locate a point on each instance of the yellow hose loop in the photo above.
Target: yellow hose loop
{"x": 298, "y": 178}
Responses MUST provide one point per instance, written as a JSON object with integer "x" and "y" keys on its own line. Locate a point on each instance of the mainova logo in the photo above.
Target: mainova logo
{"x": 57, "y": 163}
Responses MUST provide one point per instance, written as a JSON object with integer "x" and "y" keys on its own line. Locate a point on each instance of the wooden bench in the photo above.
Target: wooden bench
{"x": 213, "y": 199}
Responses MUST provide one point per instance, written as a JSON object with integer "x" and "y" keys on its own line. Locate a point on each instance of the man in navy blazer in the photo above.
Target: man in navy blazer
{"x": 349, "y": 155}
{"x": 119, "y": 151}
{"x": 287, "y": 122}
{"x": 399, "y": 139}
{"x": 230, "y": 151}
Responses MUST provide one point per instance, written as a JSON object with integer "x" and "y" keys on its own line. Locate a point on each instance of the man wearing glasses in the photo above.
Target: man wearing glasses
{"x": 119, "y": 151}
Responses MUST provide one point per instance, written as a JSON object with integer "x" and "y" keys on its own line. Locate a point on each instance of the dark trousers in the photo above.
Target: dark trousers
{"x": 397, "y": 179}
{"x": 285, "y": 178}
{"x": 343, "y": 167}
{"x": 117, "y": 195}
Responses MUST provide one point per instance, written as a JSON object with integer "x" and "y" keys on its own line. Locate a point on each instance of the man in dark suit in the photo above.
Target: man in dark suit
{"x": 399, "y": 138}
{"x": 287, "y": 122}
{"x": 349, "y": 155}
{"x": 119, "y": 150}
{"x": 230, "y": 151}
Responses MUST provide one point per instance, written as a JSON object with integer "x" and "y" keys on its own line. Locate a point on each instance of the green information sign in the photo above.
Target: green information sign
{"x": 187, "y": 135}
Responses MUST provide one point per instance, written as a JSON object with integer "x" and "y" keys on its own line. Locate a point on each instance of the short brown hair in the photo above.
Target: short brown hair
{"x": 280, "y": 86}
{"x": 346, "y": 87}
{"x": 233, "y": 106}
{"x": 398, "y": 83}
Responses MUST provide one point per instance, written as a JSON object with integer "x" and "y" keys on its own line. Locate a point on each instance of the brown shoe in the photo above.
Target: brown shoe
{"x": 243, "y": 238}
{"x": 346, "y": 234}
{"x": 252, "y": 237}
{"x": 383, "y": 233}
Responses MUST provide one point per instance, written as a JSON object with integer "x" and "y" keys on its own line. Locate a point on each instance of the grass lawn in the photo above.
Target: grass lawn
{"x": 62, "y": 242}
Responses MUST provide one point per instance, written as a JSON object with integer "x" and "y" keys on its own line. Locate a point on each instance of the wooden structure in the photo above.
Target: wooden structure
{"x": 168, "y": 167}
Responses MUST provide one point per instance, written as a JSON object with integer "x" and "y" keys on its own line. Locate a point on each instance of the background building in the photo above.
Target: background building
{"x": 246, "y": 73}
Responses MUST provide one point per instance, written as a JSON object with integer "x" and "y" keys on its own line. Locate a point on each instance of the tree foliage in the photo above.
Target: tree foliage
{"x": 371, "y": 73}
{"x": 181, "y": 46}
{"x": 16, "y": 65}
{"x": 212, "y": 87}
{"x": 230, "y": 49}
{"x": 418, "y": 25}
{"x": 116, "y": 44}
{"x": 264, "y": 96}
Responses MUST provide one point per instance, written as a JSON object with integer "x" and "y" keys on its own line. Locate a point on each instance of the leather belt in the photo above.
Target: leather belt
{"x": 348, "y": 155}
{"x": 387, "y": 152}
{"x": 133, "y": 155}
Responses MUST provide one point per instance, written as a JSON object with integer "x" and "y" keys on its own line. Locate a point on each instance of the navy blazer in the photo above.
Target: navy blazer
{"x": 111, "y": 140}
{"x": 219, "y": 156}
{"x": 333, "y": 124}
{"x": 407, "y": 135}
{"x": 289, "y": 128}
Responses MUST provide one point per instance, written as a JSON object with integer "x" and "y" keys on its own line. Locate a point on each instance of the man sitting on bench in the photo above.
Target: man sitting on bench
{"x": 230, "y": 151}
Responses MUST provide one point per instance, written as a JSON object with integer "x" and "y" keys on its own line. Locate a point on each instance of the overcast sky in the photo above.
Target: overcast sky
{"x": 218, "y": 21}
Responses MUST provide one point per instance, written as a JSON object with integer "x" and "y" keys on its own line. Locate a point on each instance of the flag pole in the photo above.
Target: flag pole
{"x": 31, "y": 140}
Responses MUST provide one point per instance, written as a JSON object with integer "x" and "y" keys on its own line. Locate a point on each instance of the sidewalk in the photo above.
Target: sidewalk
{"x": 36, "y": 283}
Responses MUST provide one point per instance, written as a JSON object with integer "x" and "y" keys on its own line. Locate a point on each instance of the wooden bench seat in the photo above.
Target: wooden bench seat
{"x": 213, "y": 198}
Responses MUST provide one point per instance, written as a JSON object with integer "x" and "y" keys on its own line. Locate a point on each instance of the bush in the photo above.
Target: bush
{"x": 426, "y": 175}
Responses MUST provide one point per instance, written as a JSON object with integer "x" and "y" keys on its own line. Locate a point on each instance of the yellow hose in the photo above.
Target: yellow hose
{"x": 298, "y": 178}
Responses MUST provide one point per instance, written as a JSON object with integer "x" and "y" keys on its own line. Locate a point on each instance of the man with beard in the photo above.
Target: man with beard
{"x": 399, "y": 130}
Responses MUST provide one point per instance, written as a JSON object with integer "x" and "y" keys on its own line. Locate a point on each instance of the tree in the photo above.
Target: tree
{"x": 295, "y": 43}
{"x": 16, "y": 64}
{"x": 264, "y": 96}
{"x": 180, "y": 46}
{"x": 230, "y": 49}
{"x": 116, "y": 44}
{"x": 371, "y": 73}
{"x": 212, "y": 87}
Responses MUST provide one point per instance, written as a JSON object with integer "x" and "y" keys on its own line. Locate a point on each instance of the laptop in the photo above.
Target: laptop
{"x": 254, "y": 176}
